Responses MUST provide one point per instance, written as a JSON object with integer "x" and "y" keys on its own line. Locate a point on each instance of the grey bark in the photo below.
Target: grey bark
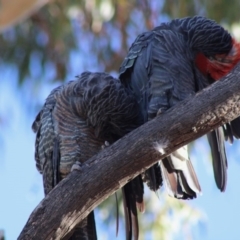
{"x": 74, "y": 197}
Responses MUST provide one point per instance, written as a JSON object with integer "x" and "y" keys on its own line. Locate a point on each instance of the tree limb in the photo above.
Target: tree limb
{"x": 12, "y": 12}
{"x": 78, "y": 194}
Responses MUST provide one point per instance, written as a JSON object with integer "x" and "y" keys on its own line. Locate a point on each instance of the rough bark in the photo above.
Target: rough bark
{"x": 78, "y": 194}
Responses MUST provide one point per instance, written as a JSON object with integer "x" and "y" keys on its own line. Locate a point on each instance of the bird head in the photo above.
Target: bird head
{"x": 217, "y": 66}
{"x": 216, "y": 52}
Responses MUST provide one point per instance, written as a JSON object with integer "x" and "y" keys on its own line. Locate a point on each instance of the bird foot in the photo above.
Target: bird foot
{"x": 106, "y": 144}
{"x": 77, "y": 166}
{"x": 161, "y": 110}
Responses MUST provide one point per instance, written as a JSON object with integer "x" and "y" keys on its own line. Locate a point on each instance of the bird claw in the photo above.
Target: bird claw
{"x": 77, "y": 166}
{"x": 106, "y": 144}
{"x": 161, "y": 110}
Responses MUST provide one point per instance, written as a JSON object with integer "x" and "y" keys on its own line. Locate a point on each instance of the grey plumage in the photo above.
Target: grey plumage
{"x": 75, "y": 121}
{"x": 161, "y": 70}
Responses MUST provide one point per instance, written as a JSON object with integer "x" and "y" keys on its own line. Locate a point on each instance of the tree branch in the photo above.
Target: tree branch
{"x": 74, "y": 197}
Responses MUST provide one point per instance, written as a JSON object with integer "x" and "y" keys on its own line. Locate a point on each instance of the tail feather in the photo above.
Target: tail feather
{"x": 86, "y": 229}
{"x": 179, "y": 160}
{"x": 188, "y": 193}
{"x": 228, "y": 133}
{"x": 130, "y": 212}
{"x": 235, "y": 124}
{"x": 219, "y": 159}
{"x": 170, "y": 180}
{"x": 133, "y": 198}
{"x": 179, "y": 176}
{"x": 117, "y": 214}
{"x": 193, "y": 174}
{"x": 138, "y": 191}
{"x": 153, "y": 177}
{"x": 127, "y": 213}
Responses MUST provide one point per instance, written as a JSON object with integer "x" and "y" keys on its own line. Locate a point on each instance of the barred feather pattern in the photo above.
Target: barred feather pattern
{"x": 80, "y": 116}
{"x": 100, "y": 110}
{"x": 43, "y": 126}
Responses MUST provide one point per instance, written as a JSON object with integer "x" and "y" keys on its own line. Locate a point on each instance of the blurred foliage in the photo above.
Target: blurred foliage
{"x": 219, "y": 10}
{"x": 98, "y": 29}
{"x": 164, "y": 218}
{"x": 68, "y": 37}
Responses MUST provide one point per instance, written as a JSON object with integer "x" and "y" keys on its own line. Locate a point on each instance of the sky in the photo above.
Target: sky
{"x": 21, "y": 184}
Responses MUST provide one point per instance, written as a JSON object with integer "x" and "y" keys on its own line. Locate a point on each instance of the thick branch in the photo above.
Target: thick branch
{"x": 78, "y": 194}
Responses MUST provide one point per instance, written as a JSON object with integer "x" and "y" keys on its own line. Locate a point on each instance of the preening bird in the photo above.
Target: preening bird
{"x": 73, "y": 125}
{"x": 171, "y": 63}
{"x": 164, "y": 66}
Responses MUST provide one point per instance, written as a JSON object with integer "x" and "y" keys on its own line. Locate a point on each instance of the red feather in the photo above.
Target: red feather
{"x": 221, "y": 64}
{"x": 202, "y": 63}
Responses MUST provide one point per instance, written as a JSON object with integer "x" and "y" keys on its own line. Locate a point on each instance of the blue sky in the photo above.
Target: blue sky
{"x": 21, "y": 184}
